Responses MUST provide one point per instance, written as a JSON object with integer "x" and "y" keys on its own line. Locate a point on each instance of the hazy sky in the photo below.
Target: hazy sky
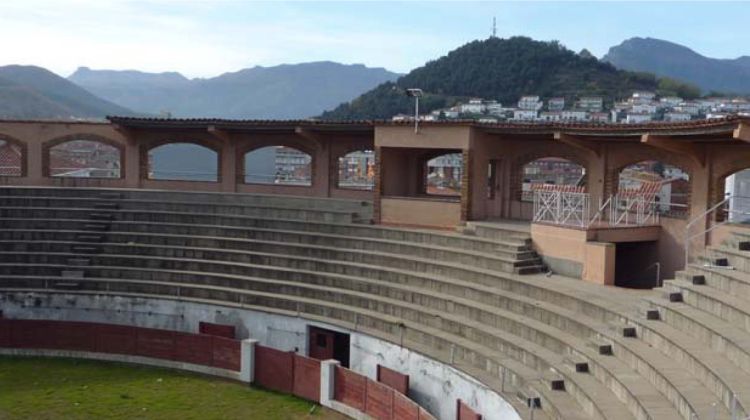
{"x": 207, "y": 38}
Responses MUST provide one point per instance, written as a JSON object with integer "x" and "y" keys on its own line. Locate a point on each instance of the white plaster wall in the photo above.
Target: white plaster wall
{"x": 433, "y": 385}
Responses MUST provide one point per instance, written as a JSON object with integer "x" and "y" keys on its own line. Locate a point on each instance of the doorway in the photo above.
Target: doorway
{"x": 327, "y": 344}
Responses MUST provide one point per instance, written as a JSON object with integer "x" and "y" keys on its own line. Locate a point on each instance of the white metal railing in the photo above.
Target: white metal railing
{"x": 727, "y": 206}
{"x": 575, "y": 209}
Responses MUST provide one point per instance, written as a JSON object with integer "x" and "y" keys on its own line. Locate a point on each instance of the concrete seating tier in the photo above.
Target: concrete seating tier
{"x": 455, "y": 295}
{"x": 272, "y": 200}
{"x": 504, "y": 257}
{"x": 212, "y": 267}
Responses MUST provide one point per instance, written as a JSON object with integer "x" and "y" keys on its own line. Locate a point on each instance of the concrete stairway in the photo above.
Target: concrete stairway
{"x": 585, "y": 351}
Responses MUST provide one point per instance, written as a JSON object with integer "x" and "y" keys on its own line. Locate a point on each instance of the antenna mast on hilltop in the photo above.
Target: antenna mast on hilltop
{"x": 494, "y": 28}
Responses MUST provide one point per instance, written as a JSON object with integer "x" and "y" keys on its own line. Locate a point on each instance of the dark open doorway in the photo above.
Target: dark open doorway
{"x": 635, "y": 265}
{"x": 327, "y": 344}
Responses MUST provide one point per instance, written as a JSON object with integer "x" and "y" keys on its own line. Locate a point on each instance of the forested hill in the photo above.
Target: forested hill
{"x": 504, "y": 69}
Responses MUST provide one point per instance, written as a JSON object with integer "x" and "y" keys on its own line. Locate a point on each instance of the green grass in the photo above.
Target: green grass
{"x": 42, "y": 388}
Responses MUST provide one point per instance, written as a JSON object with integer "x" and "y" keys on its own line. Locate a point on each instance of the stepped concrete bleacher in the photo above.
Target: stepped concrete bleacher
{"x": 478, "y": 299}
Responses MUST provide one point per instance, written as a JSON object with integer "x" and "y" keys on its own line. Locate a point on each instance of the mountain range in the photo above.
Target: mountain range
{"x": 665, "y": 58}
{"x": 280, "y": 92}
{"x": 505, "y": 69}
{"x": 34, "y": 92}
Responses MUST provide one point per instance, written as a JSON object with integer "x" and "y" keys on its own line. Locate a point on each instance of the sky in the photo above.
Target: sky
{"x": 208, "y": 38}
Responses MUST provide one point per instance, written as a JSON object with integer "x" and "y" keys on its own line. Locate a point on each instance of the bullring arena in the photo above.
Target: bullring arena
{"x": 446, "y": 276}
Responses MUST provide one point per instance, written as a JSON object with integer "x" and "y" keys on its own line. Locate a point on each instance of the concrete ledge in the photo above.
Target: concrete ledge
{"x": 123, "y": 358}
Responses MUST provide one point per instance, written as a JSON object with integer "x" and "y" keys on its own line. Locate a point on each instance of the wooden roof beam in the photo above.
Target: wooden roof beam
{"x": 694, "y": 152}
{"x": 219, "y": 133}
{"x": 579, "y": 143}
{"x": 742, "y": 132}
{"x": 309, "y": 135}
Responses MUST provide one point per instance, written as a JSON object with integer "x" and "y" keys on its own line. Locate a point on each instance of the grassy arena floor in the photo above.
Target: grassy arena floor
{"x": 42, "y": 388}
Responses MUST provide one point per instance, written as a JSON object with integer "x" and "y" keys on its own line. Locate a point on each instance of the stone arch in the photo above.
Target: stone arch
{"x": 520, "y": 162}
{"x": 13, "y": 156}
{"x": 623, "y": 159}
{"x": 106, "y": 162}
{"x": 717, "y": 187}
{"x": 185, "y": 151}
{"x": 677, "y": 193}
{"x": 355, "y": 169}
{"x": 277, "y": 164}
{"x": 442, "y": 177}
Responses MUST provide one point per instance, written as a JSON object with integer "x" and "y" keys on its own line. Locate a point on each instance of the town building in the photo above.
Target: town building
{"x": 591, "y": 103}
{"x": 556, "y": 104}
{"x": 530, "y": 103}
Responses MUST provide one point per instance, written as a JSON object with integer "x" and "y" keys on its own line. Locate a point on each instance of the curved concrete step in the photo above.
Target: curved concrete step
{"x": 287, "y": 236}
{"x": 228, "y": 245}
{"x": 188, "y": 196}
{"x": 666, "y": 364}
{"x": 436, "y": 339}
{"x": 167, "y": 215}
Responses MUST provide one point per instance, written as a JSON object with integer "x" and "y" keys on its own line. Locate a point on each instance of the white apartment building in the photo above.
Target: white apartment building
{"x": 556, "y": 104}
{"x": 638, "y": 118}
{"x": 475, "y": 106}
{"x": 643, "y": 108}
{"x": 677, "y": 116}
{"x": 591, "y": 103}
{"x": 524, "y": 114}
{"x": 574, "y": 115}
{"x": 530, "y": 103}
{"x": 691, "y": 108}
{"x": 670, "y": 101}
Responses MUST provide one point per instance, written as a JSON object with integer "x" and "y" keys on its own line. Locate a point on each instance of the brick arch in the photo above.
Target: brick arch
{"x": 335, "y": 165}
{"x": 211, "y": 144}
{"x": 96, "y": 138}
{"x": 303, "y": 147}
{"x": 248, "y": 147}
{"x": 621, "y": 160}
{"x": 519, "y": 161}
{"x": 718, "y": 179}
{"x": 23, "y": 150}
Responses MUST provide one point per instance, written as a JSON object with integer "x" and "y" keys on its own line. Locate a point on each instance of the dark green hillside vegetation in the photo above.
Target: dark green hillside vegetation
{"x": 504, "y": 69}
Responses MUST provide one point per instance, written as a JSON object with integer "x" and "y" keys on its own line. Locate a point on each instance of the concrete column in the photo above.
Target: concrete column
{"x": 35, "y": 162}
{"x": 247, "y": 360}
{"x": 328, "y": 381}
{"x": 228, "y": 166}
{"x": 132, "y": 164}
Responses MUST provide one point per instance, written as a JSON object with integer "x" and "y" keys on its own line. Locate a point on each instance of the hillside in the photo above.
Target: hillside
{"x": 503, "y": 69}
{"x": 34, "y": 92}
{"x": 673, "y": 60}
{"x": 285, "y": 91}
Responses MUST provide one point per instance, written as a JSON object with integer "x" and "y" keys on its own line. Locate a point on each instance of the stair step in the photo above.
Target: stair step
{"x": 72, "y": 274}
{"x": 101, "y": 216}
{"x": 99, "y": 227}
{"x": 675, "y": 297}
{"x": 110, "y": 194}
{"x": 107, "y": 205}
{"x": 653, "y": 315}
{"x": 79, "y": 261}
{"x": 85, "y": 237}
{"x": 66, "y": 285}
{"x": 80, "y": 249}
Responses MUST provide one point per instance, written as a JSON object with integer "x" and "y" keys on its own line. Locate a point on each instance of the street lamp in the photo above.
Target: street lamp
{"x": 416, "y": 94}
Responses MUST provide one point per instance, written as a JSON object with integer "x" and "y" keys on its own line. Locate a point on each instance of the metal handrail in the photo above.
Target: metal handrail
{"x": 702, "y": 216}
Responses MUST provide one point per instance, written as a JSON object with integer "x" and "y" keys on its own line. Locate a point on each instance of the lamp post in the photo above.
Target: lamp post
{"x": 416, "y": 94}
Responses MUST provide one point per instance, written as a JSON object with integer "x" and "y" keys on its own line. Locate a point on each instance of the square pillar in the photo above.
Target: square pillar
{"x": 328, "y": 381}
{"x": 228, "y": 166}
{"x": 247, "y": 360}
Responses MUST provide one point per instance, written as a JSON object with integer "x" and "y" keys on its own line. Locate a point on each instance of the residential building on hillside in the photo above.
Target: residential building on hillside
{"x": 591, "y": 103}
{"x": 601, "y": 117}
{"x": 524, "y": 114}
{"x": 642, "y": 97}
{"x": 574, "y": 115}
{"x": 556, "y": 104}
{"x": 475, "y": 106}
{"x": 675, "y": 116}
{"x": 530, "y": 102}
{"x": 638, "y": 118}
{"x": 670, "y": 101}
